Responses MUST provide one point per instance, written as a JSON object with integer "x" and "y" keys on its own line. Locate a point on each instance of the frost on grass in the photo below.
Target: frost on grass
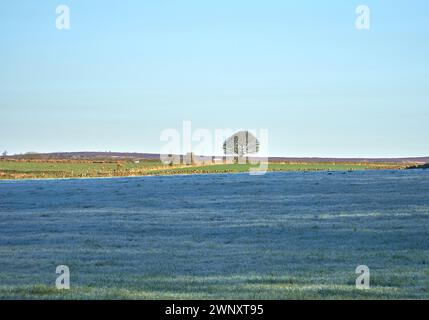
{"x": 279, "y": 236}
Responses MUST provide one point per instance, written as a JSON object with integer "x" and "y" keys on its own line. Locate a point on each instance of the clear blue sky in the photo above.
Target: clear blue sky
{"x": 126, "y": 70}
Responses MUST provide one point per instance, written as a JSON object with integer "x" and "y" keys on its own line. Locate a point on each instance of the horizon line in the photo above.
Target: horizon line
{"x": 255, "y": 156}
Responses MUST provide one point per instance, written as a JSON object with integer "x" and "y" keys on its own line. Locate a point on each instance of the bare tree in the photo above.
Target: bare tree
{"x": 240, "y": 145}
{"x": 4, "y": 154}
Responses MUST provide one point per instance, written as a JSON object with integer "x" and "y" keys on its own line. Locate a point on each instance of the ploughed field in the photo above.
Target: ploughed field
{"x": 283, "y": 235}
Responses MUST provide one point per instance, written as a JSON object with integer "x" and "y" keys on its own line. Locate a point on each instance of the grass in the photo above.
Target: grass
{"x": 73, "y": 169}
{"x": 240, "y": 168}
{"x": 232, "y": 287}
{"x": 85, "y": 169}
{"x": 291, "y": 235}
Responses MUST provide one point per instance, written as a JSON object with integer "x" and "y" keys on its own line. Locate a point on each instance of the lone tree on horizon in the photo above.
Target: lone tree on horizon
{"x": 241, "y": 144}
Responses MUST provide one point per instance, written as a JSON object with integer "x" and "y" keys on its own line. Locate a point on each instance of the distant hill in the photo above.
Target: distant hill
{"x": 390, "y": 160}
{"x": 88, "y": 155}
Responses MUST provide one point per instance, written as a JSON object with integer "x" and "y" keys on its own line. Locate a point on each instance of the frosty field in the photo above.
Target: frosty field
{"x": 285, "y": 235}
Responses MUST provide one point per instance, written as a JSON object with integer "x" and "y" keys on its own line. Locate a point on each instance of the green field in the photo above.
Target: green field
{"x": 87, "y": 169}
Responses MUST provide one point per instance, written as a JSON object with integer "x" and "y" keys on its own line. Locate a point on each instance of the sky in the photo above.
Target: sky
{"x": 127, "y": 70}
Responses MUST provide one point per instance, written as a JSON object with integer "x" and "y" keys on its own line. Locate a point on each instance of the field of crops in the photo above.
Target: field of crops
{"x": 73, "y": 169}
{"x": 232, "y": 168}
{"x": 86, "y": 169}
